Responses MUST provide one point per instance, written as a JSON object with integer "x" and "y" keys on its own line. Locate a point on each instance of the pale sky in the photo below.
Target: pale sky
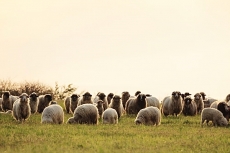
{"x": 155, "y": 46}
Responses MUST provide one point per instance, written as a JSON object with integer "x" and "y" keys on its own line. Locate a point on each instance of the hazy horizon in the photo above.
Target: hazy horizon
{"x": 154, "y": 46}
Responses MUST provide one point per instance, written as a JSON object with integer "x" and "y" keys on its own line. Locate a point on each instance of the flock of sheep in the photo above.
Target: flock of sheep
{"x": 87, "y": 109}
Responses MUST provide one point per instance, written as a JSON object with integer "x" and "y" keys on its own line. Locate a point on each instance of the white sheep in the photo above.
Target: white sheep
{"x": 33, "y": 101}
{"x": 134, "y": 105}
{"x": 199, "y": 102}
{"x": 85, "y": 99}
{"x": 44, "y": 101}
{"x": 149, "y": 116}
{"x": 21, "y": 108}
{"x": 153, "y": 101}
{"x": 53, "y": 114}
{"x": 214, "y": 115}
{"x": 172, "y": 105}
{"x": 117, "y": 105}
{"x": 109, "y": 116}
{"x": 8, "y": 101}
{"x": 85, "y": 114}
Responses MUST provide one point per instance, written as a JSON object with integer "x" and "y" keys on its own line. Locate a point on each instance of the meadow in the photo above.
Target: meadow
{"x": 175, "y": 134}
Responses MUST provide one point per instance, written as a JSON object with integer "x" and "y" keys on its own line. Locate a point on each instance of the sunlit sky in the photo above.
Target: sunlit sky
{"x": 155, "y": 46}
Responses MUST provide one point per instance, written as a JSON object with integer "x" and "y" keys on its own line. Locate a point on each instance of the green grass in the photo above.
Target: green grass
{"x": 181, "y": 134}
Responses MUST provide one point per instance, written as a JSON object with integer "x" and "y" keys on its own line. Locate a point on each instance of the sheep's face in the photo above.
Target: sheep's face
{"x": 203, "y": 95}
{"x": 6, "y": 95}
{"x": 141, "y": 97}
{"x": 125, "y": 96}
{"x": 48, "y": 97}
{"x": 137, "y": 93}
{"x": 110, "y": 95}
{"x": 101, "y": 95}
{"x": 100, "y": 103}
{"x": 222, "y": 106}
{"x": 117, "y": 99}
{"x": 74, "y": 97}
{"x": 223, "y": 121}
{"x": 176, "y": 94}
{"x": 33, "y": 96}
{"x": 187, "y": 101}
{"x": 197, "y": 96}
{"x": 24, "y": 98}
{"x": 71, "y": 120}
{"x": 87, "y": 96}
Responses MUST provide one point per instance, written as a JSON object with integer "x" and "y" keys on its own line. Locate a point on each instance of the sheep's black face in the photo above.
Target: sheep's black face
{"x": 101, "y": 96}
{"x": 87, "y": 96}
{"x": 197, "y": 96}
{"x": 48, "y": 97}
{"x": 6, "y": 95}
{"x": 188, "y": 101}
{"x": 33, "y": 96}
{"x": 116, "y": 99}
{"x": 110, "y": 95}
{"x": 142, "y": 97}
{"x": 176, "y": 94}
{"x": 74, "y": 97}
{"x": 100, "y": 103}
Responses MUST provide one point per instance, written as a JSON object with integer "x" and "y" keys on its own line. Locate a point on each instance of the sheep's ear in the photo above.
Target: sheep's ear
{"x": 173, "y": 93}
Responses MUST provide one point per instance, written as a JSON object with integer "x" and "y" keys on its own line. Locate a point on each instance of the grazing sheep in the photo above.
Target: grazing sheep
{"x": 8, "y": 101}
{"x": 53, "y": 114}
{"x": 100, "y": 107}
{"x": 185, "y": 95}
{"x": 73, "y": 102}
{"x": 190, "y": 108}
{"x": 85, "y": 114}
{"x": 227, "y": 98}
{"x": 117, "y": 105}
{"x": 21, "y": 108}
{"x": 71, "y": 121}
{"x": 134, "y": 105}
{"x": 33, "y": 101}
{"x": 124, "y": 97}
{"x": 67, "y": 104}
{"x": 172, "y": 105}
{"x": 149, "y": 116}
{"x": 199, "y": 102}
{"x": 153, "y": 101}
{"x": 214, "y": 115}
{"x": 44, "y": 101}
{"x": 224, "y": 108}
{"x": 109, "y": 116}
{"x": 109, "y": 97}
{"x": 85, "y": 99}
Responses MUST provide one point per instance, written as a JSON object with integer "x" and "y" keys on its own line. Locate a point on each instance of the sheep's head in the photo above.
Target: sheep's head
{"x": 125, "y": 96}
{"x": 188, "y": 100}
{"x": 33, "y": 96}
{"x": 74, "y": 97}
{"x": 203, "y": 95}
{"x": 197, "y": 96}
{"x": 101, "y": 95}
{"x": 87, "y": 96}
{"x": 116, "y": 99}
{"x": 6, "y": 95}
{"x": 141, "y": 100}
{"x": 100, "y": 103}
{"x": 137, "y": 93}
{"x": 176, "y": 94}
{"x": 110, "y": 95}
{"x": 48, "y": 97}
{"x": 24, "y": 98}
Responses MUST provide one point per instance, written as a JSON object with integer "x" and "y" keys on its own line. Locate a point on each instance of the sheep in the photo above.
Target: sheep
{"x": 214, "y": 104}
{"x": 172, "y": 105}
{"x": 185, "y": 95}
{"x": 117, "y": 105}
{"x": 102, "y": 97}
{"x": 109, "y": 97}
{"x": 149, "y": 116}
{"x": 8, "y": 101}
{"x": 53, "y": 114}
{"x": 109, "y": 116}
{"x": 100, "y": 107}
{"x": 73, "y": 102}
{"x": 67, "y": 104}
{"x": 227, "y": 98}
{"x": 199, "y": 102}
{"x": 214, "y": 115}
{"x": 44, "y": 101}
{"x": 21, "y": 108}
{"x": 207, "y": 101}
{"x": 85, "y": 99}
{"x": 134, "y": 105}
{"x": 190, "y": 108}
{"x": 85, "y": 114}
{"x": 152, "y": 101}
{"x": 224, "y": 108}
{"x": 124, "y": 97}
{"x": 33, "y": 101}
{"x": 137, "y": 92}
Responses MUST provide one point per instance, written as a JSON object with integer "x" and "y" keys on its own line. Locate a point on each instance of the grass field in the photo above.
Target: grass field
{"x": 181, "y": 134}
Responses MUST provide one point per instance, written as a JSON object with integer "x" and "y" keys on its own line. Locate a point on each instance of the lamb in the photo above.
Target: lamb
{"x": 53, "y": 114}
{"x": 100, "y": 107}
{"x": 85, "y": 99}
{"x": 44, "y": 101}
{"x": 102, "y": 96}
{"x": 8, "y": 101}
{"x": 33, "y": 101}
{"x": 109, "y": 116}
{"x": 224, "y": 108}
{"x": 199, "y": 102}
{"x": 227, "y": 98}
{"x": 85, "y": 114}
{"x": 109, "y": 97}
{"x": 214, "y": 115}
{"x": 21, "y": 108}
{"x": 67, "y": 104}
{"x": 153, "y": 101}
{"x": 73, "y": 102}
{"x": 190, "y": 108}
{"x": 117, "y": 105}
{"x": 124, "y": 97}
{"x": 149, "y": 116}
{"x": 172, "y": 105}
{"x": 134, "y": 105}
